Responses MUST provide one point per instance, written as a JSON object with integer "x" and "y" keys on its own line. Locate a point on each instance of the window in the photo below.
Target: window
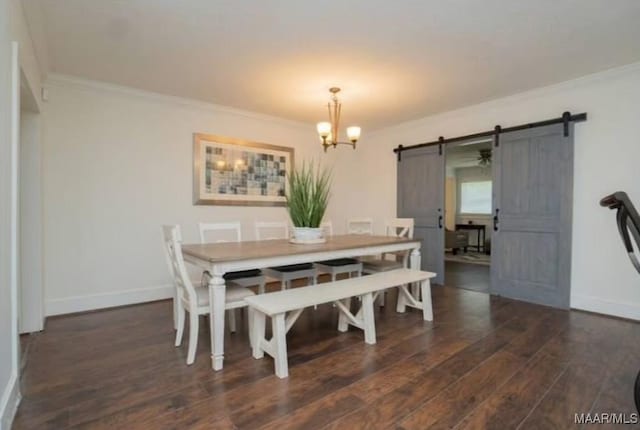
{"x": 475, "y": 197}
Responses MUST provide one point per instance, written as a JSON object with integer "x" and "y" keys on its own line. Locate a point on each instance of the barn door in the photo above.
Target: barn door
{"x": 421, "y": 174}
{"x": 533, "y": 190}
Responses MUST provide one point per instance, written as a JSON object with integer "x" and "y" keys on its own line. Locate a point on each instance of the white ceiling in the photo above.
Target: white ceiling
{"x": 395, "y": 60}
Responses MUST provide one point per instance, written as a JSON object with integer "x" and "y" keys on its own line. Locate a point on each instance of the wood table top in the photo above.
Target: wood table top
{"x": 238, "y": 251}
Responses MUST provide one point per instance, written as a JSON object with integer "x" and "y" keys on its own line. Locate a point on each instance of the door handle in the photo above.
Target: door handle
{"x": 439, "y": 221}
{"x": 496, "y": 220}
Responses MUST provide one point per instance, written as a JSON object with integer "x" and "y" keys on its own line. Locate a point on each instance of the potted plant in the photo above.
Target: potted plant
{"x": 307, "y": 199}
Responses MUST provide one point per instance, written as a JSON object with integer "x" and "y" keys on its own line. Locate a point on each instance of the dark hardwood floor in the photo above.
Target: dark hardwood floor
{"x": 485, "y": 362}
{"x": 473, "y": 277}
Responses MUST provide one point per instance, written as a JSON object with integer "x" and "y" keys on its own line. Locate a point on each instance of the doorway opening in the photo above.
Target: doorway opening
{"x": 468, "y": 215}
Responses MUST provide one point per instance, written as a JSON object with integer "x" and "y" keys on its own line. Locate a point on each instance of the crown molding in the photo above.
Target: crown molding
{"x": 593, "y": 78}
{"x": 68, "y": 81}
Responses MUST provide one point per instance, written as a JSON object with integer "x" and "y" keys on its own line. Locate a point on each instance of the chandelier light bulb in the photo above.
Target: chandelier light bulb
{"x": 324, "y": 129}
{"x": 353, "y": 133}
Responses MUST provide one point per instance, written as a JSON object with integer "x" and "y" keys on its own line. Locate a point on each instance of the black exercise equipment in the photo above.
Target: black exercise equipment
{"x": 629, "y": 228}
{"x": 628, "y": 222}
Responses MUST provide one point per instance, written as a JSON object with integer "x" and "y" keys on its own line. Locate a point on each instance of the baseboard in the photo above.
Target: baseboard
{"x": 9, "y": 402}
{"x": 600, "y": 306}
{"x": 69, "y": 305}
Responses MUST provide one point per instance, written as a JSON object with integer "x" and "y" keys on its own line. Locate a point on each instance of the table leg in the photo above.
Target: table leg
{"x": 257, "y": 328}
{"x": 217, "y": 291}
{"x": 416, "y": 263}
{"x": 416, "y": 259}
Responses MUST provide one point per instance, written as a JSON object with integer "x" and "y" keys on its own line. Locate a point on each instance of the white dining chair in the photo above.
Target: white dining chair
{"x": 360, "y": 226}
{"x": 337, "y": 266}
{"x": 285, "y": 274}
{"x": 197, "y": 280}
{"x": 194, "y": 299}
{"x": 398, "y": 227}
{"x": 243, "y": 278}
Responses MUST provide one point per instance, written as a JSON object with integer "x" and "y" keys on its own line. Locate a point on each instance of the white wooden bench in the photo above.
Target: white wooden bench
{"x": 277, "y": 304}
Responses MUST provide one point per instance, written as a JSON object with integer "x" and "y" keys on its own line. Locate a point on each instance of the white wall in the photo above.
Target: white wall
{"x": 31, "y": 295}
{"x": 117, "y": 164}
{"x": 607, "y": 150}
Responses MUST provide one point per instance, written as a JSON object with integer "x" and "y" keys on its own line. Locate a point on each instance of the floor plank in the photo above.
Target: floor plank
{"x": 474, "y": 277}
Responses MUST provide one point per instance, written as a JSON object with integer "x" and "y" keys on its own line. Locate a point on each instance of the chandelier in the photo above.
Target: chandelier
{"x": 328, "y": 131}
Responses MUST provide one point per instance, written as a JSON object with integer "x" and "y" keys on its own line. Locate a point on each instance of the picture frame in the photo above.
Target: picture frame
{"x": 229, "y": 171}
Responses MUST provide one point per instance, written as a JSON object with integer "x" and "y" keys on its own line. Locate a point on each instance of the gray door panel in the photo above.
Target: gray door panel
{"x": 421, "y": 175}
{"x": 533, "y": 191}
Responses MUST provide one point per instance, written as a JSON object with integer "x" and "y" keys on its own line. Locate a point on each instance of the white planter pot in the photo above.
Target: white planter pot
{"x": 308, "y": 235}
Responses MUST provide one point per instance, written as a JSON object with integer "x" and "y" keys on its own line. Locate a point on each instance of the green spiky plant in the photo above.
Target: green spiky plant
{"x": 308, "y": 195}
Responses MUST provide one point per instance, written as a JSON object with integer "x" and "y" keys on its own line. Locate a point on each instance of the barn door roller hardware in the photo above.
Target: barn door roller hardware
{"x": 565, "y": 120}
{"x": 497, "y": 130}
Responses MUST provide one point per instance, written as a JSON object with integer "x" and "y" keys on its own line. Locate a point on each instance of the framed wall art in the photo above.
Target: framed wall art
{"x": 229, "y": 171}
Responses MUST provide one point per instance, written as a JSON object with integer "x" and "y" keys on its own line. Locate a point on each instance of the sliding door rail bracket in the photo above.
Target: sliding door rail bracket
{"x": 566, "y": 118}
{"x": 497, "y": 130}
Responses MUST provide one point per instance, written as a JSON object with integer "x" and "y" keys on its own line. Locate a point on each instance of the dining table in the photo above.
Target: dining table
{"x": 220, "y": 258}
